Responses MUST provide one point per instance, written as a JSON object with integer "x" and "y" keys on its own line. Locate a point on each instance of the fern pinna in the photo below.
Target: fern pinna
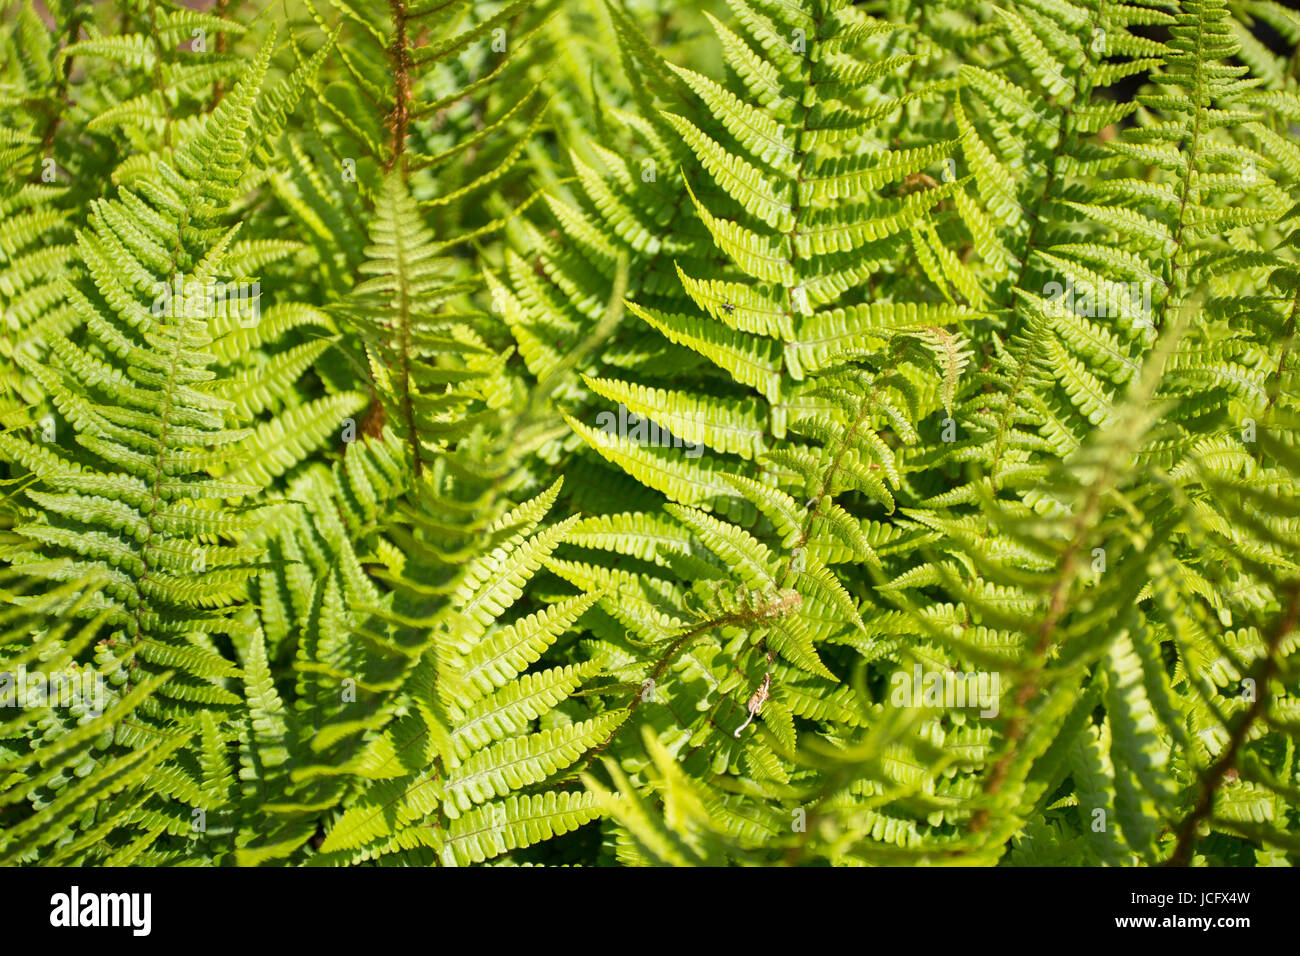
{"x": 763, "y": 432}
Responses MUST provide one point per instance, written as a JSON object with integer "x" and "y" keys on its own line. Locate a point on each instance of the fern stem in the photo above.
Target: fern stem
{"x": 1265, "y": 671}
{"x": 60, "y": 97}
{"x": 217, "y": 88}
{"x": 662, "y": 665}
{"x": 160, "y": 85}
{"x": 400, "y": 57}
{"x": 1083, "y": 523}
{"x": 1171, "y": 286}
{"x": 1278, "y": 377}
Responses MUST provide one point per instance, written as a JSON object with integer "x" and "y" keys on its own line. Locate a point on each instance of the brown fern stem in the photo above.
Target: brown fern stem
{"x": 217, "y": 89}
{"x": 399, "y": 55}
{"x": 1263, "y": 674}
{"x": 662, "y": 665}
{"x": 1083, "y": 524}
{"x": 60, "y": 97}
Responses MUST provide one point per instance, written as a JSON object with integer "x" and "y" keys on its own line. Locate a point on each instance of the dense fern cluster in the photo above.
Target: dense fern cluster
{"x": 631, "y": 432}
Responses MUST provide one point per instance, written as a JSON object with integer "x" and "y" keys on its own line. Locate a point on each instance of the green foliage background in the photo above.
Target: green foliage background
{"x": 371, "y": 575}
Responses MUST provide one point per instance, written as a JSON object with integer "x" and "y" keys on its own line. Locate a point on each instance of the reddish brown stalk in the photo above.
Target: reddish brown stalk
{"x": 776, "y": 608}
{"x": 60, "y": 98}
{"x": 1055, "y": 611}
{"x": 1264, "y": 673}
{"x": 217, "y": 89}
{"x": 400, "y": 57}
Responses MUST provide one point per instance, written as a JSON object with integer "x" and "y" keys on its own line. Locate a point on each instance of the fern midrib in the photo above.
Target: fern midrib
{"x": 160, "y": 85}
{"x": 404, "y": 352}
{"x": 661, "y": 666}
{"x": 165, "y": 417}
{"x": 1068, "y": 133}
{"x": 790, "y": 238}
{"x": 1084, "y": 523}
{"x": 679, "y": 205}
{"x": 1067, "y": 138}
{"x": 400, "y": 58}
{"x": 60, "y": 95}
{"x": 167, "y": 405}
{"x": 1279, "y": 375}
{"x": 796, "y": 206}
{"x": 1174, "y": 294}
{"x": 218, "y": 90}
{"x": 1265, "y": 672}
